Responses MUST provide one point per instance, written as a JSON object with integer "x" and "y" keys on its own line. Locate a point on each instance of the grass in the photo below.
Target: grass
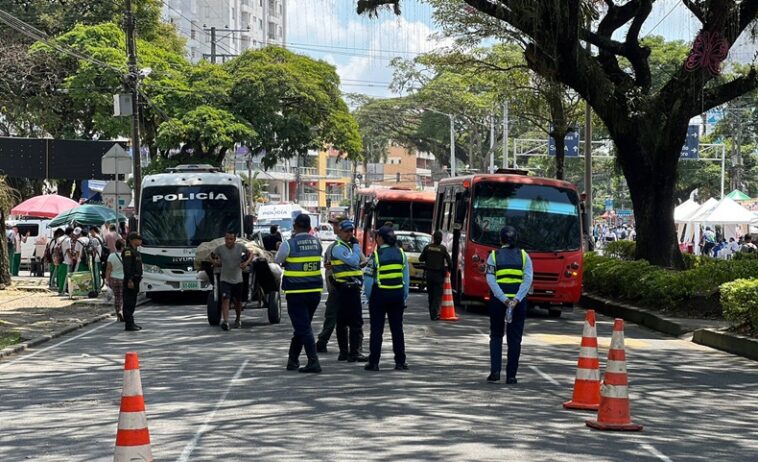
{"x": 9, "y": 338}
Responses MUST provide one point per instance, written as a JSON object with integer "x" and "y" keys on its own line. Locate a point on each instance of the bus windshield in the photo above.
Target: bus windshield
{"x": 546, "y": 217}
{"x": 405, "y": 216}
{"x": 186, "y": 216}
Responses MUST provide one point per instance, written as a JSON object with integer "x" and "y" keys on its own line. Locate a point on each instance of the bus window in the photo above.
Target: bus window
{"x": 439, "y": 204}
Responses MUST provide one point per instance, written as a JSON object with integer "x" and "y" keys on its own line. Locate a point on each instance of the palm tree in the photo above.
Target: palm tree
{"x": 8, "y": 198}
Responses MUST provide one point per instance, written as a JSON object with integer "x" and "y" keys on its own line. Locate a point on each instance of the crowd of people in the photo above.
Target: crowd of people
{"x": 603, "y": 233}
{"x": 716, "y": 246}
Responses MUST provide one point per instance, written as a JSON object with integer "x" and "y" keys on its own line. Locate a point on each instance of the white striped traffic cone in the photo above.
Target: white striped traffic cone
{"x": 447, "y": 307}
{"x": 133, "y": 437}
{"x": 613, "y": 413}
{"x": 587, "y": 383}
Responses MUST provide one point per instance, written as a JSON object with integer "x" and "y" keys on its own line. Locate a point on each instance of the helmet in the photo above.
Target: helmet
{"x": 509, "y": 236}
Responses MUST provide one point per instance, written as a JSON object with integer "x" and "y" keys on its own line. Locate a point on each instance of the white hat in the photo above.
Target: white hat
{"x": 77, "y": 230}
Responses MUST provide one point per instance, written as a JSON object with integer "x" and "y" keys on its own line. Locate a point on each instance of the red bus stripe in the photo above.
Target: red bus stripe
{"x": 132, "y": 404}
{"x": 133, "y": 437}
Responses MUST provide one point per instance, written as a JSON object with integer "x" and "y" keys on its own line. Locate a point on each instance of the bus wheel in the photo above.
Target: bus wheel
{"x": 554, "y": 312}
{"x": 214, "y": 310}
{"x": 274, "y": 305}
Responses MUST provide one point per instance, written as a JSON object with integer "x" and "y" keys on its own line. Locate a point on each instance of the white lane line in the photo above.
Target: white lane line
{"x": 545, "y": 376}
{"x": 187, "y": 452}
{"x": 649, "y": 448}
{"x": 83, "y": 334}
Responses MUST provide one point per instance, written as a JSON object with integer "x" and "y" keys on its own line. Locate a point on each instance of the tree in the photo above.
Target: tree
{"x": 292, "y": 102}
{"x": 647, "y": 124}
{"x": 8, "y": 198}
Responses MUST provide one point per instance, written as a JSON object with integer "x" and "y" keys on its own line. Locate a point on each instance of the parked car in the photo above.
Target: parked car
{"x": 413, "y": 243}
{"x": 326, "y": 232}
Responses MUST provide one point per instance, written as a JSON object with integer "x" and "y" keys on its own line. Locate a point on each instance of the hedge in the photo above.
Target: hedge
{"x": 739, "y": 300}
{"x": 659, "y": 287}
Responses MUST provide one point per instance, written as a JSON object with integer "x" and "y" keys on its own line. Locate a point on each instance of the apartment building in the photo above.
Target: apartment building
{"x": 405, "y": 168}
{"x": 238, "y": 25}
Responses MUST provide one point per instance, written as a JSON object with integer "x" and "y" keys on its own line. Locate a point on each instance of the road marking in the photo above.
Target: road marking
{"x": 187, "y": 452}
{"x": 649, "y": 448}
{"x": 83, "y": 334}
{"x": 545, "y": 376}
{"x": 557, "y": 339}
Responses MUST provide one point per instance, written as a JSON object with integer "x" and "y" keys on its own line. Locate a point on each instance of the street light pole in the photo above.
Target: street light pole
{"x": 133, "y": 82}
{"x": 452, "y": 144}
{"x": 505, "y": 134}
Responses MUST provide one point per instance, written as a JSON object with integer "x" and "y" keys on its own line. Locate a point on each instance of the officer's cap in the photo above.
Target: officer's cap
{"x": 347, "y": 225}
{"x": 386, "y": 233}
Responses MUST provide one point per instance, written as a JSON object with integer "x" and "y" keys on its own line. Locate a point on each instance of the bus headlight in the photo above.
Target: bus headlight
{"x": 151, "y": 268}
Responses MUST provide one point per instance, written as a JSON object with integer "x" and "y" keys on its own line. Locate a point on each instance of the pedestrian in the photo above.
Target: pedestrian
{"x": 114, "y": 275}
{"x": 65, "y": 256}
{"x": 110, "y": 237}
{"x": 346, "y": 258}
{"x": 436, "y": 265}
{"x": 509, "y": 277}
{"x": 273, "y": 240}
{"x": 79, "y": 244}
{"x": 232, "y": 257}
{"x": 14, "y": 251}
{"x": 96, "y": 248}
{"x": 330, "y": 313}
{"x": 132, "y": 261}
{"x": 748, "y": 246}
{"x": 52, "y": 259}
{"x": 386, "y": 283}
{"x": 709, "y": 241}
{"x": 302, "y": 285}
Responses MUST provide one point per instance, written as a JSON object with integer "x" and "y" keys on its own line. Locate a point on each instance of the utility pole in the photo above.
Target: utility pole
{"x": 213, "y": 45}
{"x": 250, "y": 180}
{"x": 492, "y": 143}
{"x": 505, "y": 134}
{"x": 298, "y": 181}
{"x": 452, "y": 145}
{"x": 132, "y": 83}
{"x": 588, "y": 154}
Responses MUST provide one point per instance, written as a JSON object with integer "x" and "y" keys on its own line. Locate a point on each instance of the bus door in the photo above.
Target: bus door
{"x": 460, "y": 209}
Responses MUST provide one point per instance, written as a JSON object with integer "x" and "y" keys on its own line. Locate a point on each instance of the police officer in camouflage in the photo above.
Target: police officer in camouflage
{"x": 302, "y": 284}
{"x": 132, "y": 261}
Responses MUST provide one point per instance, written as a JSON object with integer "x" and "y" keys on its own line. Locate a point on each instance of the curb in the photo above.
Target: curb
{"x": 636, "y": 315}
{"x": 725, "y": 341}
{"x": 20, "y": 347}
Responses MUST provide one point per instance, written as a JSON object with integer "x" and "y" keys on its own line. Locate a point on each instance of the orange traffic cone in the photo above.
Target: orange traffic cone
{"x": 587, "y": 383}
{"x": 613, "y": 413}
{"x": 447, "y": 308}
{"x": 133, "y": 437}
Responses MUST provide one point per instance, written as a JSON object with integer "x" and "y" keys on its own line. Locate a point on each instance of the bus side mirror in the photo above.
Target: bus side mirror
{"x": 248, "y": 223}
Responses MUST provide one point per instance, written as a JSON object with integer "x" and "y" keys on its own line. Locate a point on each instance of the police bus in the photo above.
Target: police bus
{"x": 179, "y": 210}
{"x": 471, "y": 210}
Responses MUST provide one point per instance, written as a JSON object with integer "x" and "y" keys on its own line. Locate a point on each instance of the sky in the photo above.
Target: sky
{"x": 362, "y": 48}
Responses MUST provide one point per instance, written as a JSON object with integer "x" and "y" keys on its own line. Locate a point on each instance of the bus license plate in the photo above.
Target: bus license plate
{"x": 190, "y": 285}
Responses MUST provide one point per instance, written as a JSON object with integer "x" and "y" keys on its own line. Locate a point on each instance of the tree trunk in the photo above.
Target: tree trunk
{"x": 5, "y": 273}
{"x": 560, "y": 153}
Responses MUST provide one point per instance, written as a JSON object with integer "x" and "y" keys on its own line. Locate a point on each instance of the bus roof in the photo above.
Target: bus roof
{"x": 191, "y": 179}
{"x": 399, "y": 195}
{"x": 506, "y": 178}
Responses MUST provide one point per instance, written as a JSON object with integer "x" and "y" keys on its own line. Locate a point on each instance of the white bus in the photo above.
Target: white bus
{"x": 179, "y": 210}
{"x": 283, "y": 215}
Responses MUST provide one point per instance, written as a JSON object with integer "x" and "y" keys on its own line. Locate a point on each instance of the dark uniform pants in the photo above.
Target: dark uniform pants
{"x": 349, "y": 317}
{"x": 435, "y": 280}
{"x": 130, "y": 303}
{"x": 301, "y": 308}
{"x": 514, "y": 332}
{"x": 386, "y": 303}
{"x": 330, "y": 317}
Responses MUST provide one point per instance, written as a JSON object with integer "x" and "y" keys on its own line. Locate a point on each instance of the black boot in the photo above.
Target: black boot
{"x": 321, "y": 347}
{"x": 312, "y": 366}
{"x": 356, "y": 358}
{"x": 292, "y": 365}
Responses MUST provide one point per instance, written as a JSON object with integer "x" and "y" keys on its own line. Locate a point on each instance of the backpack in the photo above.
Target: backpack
{"x": 58, "y": 251}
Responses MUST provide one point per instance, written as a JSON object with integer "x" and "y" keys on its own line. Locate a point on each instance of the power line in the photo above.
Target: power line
{"x": 664, "y": 17}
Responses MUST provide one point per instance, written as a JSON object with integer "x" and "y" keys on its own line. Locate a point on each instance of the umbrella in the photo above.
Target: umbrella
{"x": 738, "y": 195}
{"x": 89, "y": 215}
{"x": 46, "y": 206}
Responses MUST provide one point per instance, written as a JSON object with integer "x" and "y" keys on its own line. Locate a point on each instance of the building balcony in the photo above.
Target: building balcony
{"x": 339, "y": 172}
{"x": 308, "y": 171}
{"x": 423, "y": 171}
{"x": 309, "y": 200}
{"x": 336, "y": 198}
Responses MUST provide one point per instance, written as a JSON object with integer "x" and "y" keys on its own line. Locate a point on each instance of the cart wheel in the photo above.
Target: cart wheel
{"x": 214, "y": 311}
{"x": 274, "y": 305}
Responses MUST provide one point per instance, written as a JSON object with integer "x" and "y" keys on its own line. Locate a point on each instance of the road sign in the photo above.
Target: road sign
{"x": 116, "y": 161}
{"x": 608, "y": 205}
{"x": 691, "y": 148}
{"x": 116, "y": 195}
{"x": 624, "y": 213}
{"x": 571, "y": 145}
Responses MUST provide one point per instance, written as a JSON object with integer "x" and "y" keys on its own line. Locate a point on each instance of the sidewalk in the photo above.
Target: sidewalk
{"x": 29, "y": 312}
{"x": 708, "y": 332}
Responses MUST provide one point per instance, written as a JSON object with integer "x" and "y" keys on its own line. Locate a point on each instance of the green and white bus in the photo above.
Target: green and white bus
{"x": 179, "y": 210}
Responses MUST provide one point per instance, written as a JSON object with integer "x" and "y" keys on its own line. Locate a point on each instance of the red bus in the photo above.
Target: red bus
{"x": 471, "y": 210}
{"x": 407, "y": 210}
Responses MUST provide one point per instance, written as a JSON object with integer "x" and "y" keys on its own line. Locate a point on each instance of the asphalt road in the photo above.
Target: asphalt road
{"x": 214, "y": 395}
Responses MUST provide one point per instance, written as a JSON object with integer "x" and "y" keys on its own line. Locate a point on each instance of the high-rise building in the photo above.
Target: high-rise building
{"x": 238, "y": 25}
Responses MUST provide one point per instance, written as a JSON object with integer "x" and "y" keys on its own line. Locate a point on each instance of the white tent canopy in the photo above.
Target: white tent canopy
{"x": 728, "y": 212}
{"x": 684, "y": 210}
{"x": 691, "y": 232}
{"x": 703, "y": 211}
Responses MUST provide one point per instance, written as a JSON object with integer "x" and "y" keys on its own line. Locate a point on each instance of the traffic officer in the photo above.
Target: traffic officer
{"x": 330, "y": 313}
{"x": 347, "y": 278}
{"x": 132, "y": 261}
{"x": 386, "y": 284}
{"x": 302, "y": 284}
{"x": 436, "y": 263}
{"x": 509, "y": 277}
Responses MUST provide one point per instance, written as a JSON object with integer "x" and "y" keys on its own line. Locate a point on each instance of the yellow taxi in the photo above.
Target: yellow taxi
{"x": 413, "y": 243}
